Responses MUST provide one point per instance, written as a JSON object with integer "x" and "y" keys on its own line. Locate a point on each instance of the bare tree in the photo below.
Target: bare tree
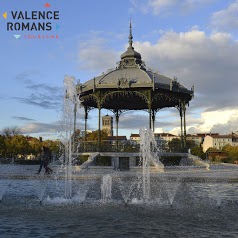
{"x": 11, "y": 131}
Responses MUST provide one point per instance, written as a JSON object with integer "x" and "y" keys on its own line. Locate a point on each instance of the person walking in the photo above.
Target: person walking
{"x": 44, "y": 160}
{"x": 47, "y": 169}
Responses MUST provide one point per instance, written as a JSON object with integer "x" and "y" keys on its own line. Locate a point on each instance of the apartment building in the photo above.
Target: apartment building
{"x": 165, "y": 137}
{"x": 219, "y": 141}
{"x": 162, "y": 137}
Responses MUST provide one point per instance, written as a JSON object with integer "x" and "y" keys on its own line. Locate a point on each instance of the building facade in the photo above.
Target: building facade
{"x": 219, "y": 141}
{"x": 197, "y": 138}
{"x": 166, "y": 137}
{"x": 159, "y": 137}
{"x": 135, "y": 138}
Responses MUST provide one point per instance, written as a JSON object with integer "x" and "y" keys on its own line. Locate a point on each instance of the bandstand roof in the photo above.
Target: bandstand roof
{"x": 131, "y": 86}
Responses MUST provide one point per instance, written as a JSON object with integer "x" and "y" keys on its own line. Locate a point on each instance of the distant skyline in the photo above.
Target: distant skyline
{"x": 194, "y": 40}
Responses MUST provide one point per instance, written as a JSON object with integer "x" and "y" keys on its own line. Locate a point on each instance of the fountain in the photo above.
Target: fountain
{"x": 148, "y": 200}
{"x": 171, "y": 186}
{"x": 145, "y": 185}
{"x": 70, "y": 105}
{"x": 106, "y": 187}
{"x": 126, "y": 186}
{"x": 148, "y": 156}
{"x": 40, "y": 189}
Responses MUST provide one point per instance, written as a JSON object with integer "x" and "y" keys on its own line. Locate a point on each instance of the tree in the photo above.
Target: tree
{"x": 77, "y": 135}
{"x": 35, "y": 145}
{"x": 93, "y": 136}
{"x": 175, "y": 145}
{"x": 14, "y": 145}
{"x": 212, "y": 149}
{"x": 20, "y": 146}
{"x": 190, "y": 144}
{"x": 11, "y": 131}
{"x": 55, "y": 147}
{"x": 198, "y": 151}
{"x": 2, "y": 147}
{"x": 232, "y": 153}
{"x": 9, "y": 147}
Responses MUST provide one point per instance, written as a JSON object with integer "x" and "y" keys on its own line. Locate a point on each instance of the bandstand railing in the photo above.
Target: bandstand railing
{"x": 121, "y": 146}
{"x": 106, "y": 146}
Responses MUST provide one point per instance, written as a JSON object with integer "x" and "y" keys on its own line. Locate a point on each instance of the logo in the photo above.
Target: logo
{"x": 33, "y": 24}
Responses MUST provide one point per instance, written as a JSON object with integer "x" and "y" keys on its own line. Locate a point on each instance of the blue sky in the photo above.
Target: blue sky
{"x": 195, "y": 40}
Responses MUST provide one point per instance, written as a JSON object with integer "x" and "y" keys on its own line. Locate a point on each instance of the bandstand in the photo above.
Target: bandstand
{"x": 131, "y": 86}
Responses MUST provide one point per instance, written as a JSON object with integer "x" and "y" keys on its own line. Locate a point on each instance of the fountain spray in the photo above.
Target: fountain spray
{"x": 148, "y": 148}
{"x": 71, "y": 102}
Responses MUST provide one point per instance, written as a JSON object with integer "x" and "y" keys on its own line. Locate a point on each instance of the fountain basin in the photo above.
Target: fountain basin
{"x": 178, "y": 200}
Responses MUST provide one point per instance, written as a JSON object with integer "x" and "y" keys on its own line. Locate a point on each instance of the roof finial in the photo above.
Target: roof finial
{"x": 130, "y": 37}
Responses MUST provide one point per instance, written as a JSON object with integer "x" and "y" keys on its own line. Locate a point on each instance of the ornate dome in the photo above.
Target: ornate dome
{"x": 129, "y": 79}
{"x": 131, "y": 53}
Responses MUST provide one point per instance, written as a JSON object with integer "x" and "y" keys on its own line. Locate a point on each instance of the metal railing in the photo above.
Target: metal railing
{"x": 121, "y": 146}
{"x": 106, "y": 146}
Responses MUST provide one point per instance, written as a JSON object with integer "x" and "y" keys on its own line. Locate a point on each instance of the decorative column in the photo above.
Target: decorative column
{"x": 181, "y": 123}
{"x": 99, "y": 104}
{"x": 184, "y": 123}
{"x": 75, "y": 113}
{"x": 153, "y": 120}
{"x": 99, "y": 128}
{"x": 117, "y": 121}
{"x": 149, "y": 107}
{"x": 75, "y": 118}
{"x": 85, "y": 122}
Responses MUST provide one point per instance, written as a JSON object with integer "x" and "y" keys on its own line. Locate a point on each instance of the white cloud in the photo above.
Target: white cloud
{"x": 226, "y": 19}
{"x": 216, "y": 117}
{"x": 228, "y": 126}
{"x": 158, "y": 7}
{"x": 209, "y": 62}
{"x": 159, "y": 130}
{"x": 175, "y": 131}
{"x": 220, "y": 121}
{"x": 94, "y": 56}
{"x": 188, "y": 5}
{"x": 37, "y": 127}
